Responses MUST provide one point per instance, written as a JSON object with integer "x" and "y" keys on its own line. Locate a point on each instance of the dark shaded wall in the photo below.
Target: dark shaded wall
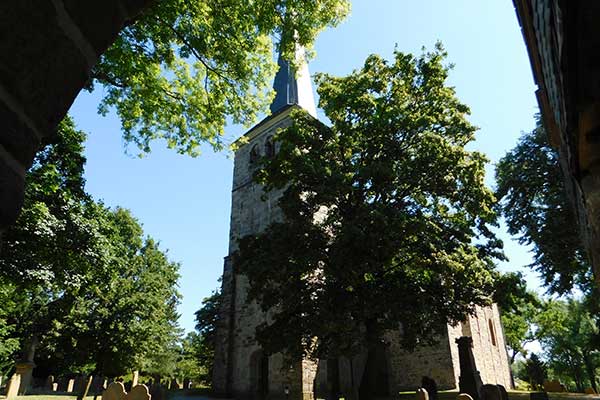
{"x": 563, "y": 41}
{"x": 47, "y": 48}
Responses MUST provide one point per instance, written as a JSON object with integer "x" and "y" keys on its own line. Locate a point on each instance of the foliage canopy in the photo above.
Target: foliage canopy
{"x": 385, "y": 215}
{"x": 185, "y": 67}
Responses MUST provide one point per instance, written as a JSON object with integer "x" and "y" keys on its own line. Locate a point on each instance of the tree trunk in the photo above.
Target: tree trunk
{"x": 591, "y": 371}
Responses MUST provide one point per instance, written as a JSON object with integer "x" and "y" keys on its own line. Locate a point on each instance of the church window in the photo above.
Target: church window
{"x": 254, "y": 155}
{"x": 492, "y": 332}
{"x": 269, "y": 147}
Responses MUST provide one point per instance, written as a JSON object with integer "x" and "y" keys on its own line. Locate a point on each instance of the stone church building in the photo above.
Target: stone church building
{"x": 242, "y": 370}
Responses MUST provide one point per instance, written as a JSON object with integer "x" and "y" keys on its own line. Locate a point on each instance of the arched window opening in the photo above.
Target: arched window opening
{"x": 492, "y": 332}
{"x": 269, "y": 147}
{"x": 254, "y": 155}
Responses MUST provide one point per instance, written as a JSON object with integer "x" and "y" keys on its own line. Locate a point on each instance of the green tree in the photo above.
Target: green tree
{"x": 80, "y": 276}
{"x": 184, "y": 67}
{"x": 567, "y": 333}
{"x": 207, "y": 318}
{"x": 518, "y": 308}
{"x": 537, "y": 210}
{"x": 385, "y": 215}
{"x": 188, "y": 364}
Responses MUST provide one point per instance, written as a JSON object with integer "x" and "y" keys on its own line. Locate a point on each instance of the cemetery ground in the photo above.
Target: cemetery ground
{"x": 442, "y": 395}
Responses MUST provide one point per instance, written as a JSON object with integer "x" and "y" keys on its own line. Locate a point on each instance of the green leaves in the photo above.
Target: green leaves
{"x": 535, "y": 206}
{"x": 185, "y": 68}
{"x": 81, "y": 277}
{"x": 381, "y": 211}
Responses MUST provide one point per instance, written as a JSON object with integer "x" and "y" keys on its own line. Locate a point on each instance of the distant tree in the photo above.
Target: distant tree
{"x": 536, "y": 208}
{"x": 207, "y": 318}
{"x": 185, "y": 67}
{"x": 188, "y": 363}
{"x": 567, "y": 333}
{"x": 518, "y": 308}
{"x": 385, "y": 215}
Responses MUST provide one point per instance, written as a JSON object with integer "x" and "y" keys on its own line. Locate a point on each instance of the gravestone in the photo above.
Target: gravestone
{"x": 490, "y": 392}
{"x": 12, "y": 390}
{"x": 114, "y": 391}
{"x": 139, "y": 392}
{"x": 503, "y": 392}
{"x": 25, "y": 370}
{"x": 470, "y": 380}
{"x": 464, "y": 396}
{"x": 135, "y": 378}
{"x": 538, "y": 396}
{"x": 49, "y": 382}
{"x": 70, "y": 385}
{"x": 55, "y": 387}
{"x": 422, "y": 394}
{"x": 431, "y": 386}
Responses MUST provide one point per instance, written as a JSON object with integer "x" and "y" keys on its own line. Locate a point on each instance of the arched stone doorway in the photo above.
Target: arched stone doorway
{"x": 259, "y": 374}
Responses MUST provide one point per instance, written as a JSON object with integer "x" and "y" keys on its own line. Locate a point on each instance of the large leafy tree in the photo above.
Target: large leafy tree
{"x": 207, "y": 318}
{"x": 567, "y": 333}
{"x": 82, "y": 284}
{"x": 386, "y": 218}
{"x": 537, "y": 210}
{"x": 186, "y": 66}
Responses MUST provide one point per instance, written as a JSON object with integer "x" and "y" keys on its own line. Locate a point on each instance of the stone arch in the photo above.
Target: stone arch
{"x": 39, "y": 82}
{"x": 259, "y": 374}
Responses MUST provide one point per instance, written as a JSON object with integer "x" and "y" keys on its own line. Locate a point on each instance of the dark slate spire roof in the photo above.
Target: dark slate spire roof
{"x": 293, "y": 88}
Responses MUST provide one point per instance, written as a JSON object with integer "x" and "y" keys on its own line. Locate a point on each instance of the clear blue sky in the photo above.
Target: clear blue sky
{"x": 185, "y": 202}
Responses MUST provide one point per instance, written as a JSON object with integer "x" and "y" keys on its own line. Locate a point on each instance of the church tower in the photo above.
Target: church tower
{"x": 242, "y": 370}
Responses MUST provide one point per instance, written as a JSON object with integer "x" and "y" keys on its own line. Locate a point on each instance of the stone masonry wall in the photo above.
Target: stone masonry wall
{"x": 251, "y": 212}
{"x": 489, "y": 346}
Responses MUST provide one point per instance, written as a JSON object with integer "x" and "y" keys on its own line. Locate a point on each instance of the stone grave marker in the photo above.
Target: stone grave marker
{"x": 12, "y": 390}
{"x": 422, "y": 394}
{"x": 503, "y": 392}
{"x": 49, "y": 382}
{"x": 70, "y": 385}
{"x": 538, "y": 396}
{"x": 490, "y": 392}
{"x": 139, "y": 392}
{"x": 114, "y": 391}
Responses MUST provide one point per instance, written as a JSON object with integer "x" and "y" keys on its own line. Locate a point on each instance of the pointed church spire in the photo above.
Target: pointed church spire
{"x": 293, "y": 88}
